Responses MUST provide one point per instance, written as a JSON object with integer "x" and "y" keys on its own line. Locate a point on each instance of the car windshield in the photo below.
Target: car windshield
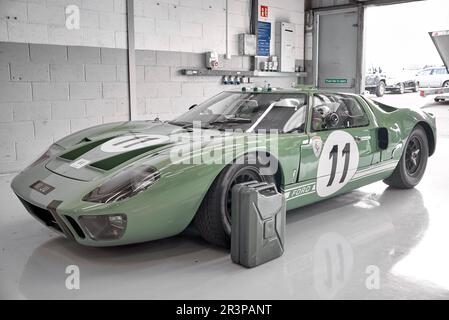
{"x": 249, "y": 111}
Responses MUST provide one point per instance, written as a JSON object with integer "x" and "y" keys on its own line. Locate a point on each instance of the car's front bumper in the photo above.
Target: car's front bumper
{"x": 150, "y": 215}
{"x": 393, "y": 87}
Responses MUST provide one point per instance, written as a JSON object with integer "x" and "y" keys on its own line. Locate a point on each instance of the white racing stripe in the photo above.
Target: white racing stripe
{"x": 385, "y": 166}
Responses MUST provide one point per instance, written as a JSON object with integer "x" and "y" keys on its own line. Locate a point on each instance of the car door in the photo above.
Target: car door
{"x": 424, "y": 77}
{"x": 434, "y": 78}
{"x": 440, "y": 77}
{"x": 336, "y": 150}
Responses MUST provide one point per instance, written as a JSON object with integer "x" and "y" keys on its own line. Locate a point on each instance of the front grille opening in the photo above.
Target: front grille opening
{"x": 41, "y": 214}
{"x": 75, "y": 227}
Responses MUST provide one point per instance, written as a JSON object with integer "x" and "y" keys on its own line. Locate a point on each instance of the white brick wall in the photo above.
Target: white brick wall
{"x": 47, "y": 92}
{"x": 173, "y": 93}
{"x": 199, "y": 25}
{"x": 102, "y": 22}
{"x": 60, "y": 81}
{"x": 50, "y": 91}
{"x": 169, "y": 25}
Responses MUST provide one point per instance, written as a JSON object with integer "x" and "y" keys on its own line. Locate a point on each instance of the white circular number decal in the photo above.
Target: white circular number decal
{"x": 338, "y": 163}
{"x": 132, "y": 142}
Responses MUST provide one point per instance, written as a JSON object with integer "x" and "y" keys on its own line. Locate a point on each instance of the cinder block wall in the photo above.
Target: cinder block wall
{"x": 172, "y": 25}
{"x": 163, "y": 92}
{"x": 49, "y": 91}
{"x": 55, "y": 81}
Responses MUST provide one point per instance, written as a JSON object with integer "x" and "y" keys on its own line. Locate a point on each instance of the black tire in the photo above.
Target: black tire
{"x": 213, "y": 219}
{"x": 401, "y": 89}
{"x": 446, "y": 84}
{"x": 416, "y": 87}
{"x": 412, "y": 165}
{"x": 380, "y": 90}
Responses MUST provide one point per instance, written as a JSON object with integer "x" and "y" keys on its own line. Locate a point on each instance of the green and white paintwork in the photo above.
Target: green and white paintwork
{"x": 167, "y": 207}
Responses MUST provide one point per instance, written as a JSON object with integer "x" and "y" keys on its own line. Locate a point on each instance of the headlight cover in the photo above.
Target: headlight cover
{"x": 124, "y": 185}
{"x": 54, "y": 149}
{"x": 104, "y": 227}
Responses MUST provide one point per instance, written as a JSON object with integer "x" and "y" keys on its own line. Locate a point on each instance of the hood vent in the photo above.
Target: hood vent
{"x": 78, "y": 152}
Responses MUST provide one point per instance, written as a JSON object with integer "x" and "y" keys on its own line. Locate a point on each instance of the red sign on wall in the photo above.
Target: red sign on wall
{"x": 264, "y": 11}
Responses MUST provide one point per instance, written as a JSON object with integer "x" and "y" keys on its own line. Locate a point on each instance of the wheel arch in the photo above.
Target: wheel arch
{"x": 429, "y": 134}
{"x": 278, "y": 176}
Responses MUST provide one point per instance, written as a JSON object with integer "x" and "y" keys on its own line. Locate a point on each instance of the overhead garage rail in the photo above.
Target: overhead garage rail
{"x": 318, "y": 4}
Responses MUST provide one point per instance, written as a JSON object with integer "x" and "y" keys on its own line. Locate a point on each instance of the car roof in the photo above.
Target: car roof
{"x": 305, "y": 90}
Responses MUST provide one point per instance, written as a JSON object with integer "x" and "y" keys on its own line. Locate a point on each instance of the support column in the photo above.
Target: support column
{"x": 131, "y": 59}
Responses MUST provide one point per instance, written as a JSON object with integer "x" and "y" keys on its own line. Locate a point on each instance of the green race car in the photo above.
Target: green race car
{"x": 129, "y": 182}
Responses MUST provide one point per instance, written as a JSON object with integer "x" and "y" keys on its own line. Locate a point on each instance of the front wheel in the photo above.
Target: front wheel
{"x": 413, "y": 162}
{"x": 416, "y": 87}
{"x": 213, "y": 219}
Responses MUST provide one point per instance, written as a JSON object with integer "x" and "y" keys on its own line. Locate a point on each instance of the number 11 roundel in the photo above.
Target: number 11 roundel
{"x": 337, "y": 164}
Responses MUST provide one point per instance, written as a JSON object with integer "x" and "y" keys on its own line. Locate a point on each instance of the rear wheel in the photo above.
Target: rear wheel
{"x": 401, "y": 88}
{"x": 446, "y": 84}
{"x": 380, "y": 90}
{"x": 416, "y": 87}
{"x": 213, "y": 219}
{"x": 413, "y": 162}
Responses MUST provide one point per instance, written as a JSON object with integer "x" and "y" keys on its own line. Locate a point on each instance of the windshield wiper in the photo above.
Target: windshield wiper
{"x": 232, "y": 120}
{"x": 186, "y": 125}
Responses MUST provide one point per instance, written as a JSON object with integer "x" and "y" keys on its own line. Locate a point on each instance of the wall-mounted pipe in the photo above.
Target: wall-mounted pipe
{"x": 228, "y": 44}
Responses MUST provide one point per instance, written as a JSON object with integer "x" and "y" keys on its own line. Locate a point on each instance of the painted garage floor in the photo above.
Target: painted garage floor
{"x": 372, "y": 243}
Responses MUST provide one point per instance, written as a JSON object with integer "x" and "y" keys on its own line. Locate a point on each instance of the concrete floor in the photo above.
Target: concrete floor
{"x": 334, "y": 249}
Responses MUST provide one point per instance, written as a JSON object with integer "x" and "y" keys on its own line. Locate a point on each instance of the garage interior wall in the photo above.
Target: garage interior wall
{"x": 55, "y": 81}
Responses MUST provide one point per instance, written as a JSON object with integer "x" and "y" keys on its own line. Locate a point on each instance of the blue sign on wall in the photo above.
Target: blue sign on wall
{"x": 263, "y": 38}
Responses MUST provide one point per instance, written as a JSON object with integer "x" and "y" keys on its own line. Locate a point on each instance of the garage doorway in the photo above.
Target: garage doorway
{"x": 399, "y": 47}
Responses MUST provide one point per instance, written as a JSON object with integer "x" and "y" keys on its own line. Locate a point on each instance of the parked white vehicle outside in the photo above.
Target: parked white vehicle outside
{"x": 434, "y": 77}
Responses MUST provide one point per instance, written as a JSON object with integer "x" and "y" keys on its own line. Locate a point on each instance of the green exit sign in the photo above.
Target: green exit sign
{"x": 336, "y": 81}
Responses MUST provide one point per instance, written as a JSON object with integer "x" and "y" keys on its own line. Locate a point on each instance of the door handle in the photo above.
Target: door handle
{"x": 362, "y": 138}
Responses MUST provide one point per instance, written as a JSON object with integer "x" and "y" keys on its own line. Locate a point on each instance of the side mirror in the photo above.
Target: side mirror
{"x": 192, "y": 106}
{"x": 382, "y": 138}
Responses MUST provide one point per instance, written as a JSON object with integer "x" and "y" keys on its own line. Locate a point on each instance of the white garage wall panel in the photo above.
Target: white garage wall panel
{"x": 199, "y": 26}
{"x": 49, "y": 91}
{"x": 172, "y": 25}
{"x": 102, "y": 22}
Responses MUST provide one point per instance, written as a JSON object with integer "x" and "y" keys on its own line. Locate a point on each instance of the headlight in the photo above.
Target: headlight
{"x": 124, "y": 185}
{"x": 104, "y": 227}
{"x": 54, "y": 149}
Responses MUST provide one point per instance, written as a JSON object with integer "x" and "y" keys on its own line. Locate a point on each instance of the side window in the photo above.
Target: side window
{"x": 436, "y": 71}
{"x": 286, "y": 115}
{"x": 440, "y": 71}
{"x": 337, "y": 111}
{"x": 425, "y": 72}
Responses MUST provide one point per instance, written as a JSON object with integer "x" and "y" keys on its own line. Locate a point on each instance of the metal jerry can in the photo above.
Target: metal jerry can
{"x": 258, "y": 223}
